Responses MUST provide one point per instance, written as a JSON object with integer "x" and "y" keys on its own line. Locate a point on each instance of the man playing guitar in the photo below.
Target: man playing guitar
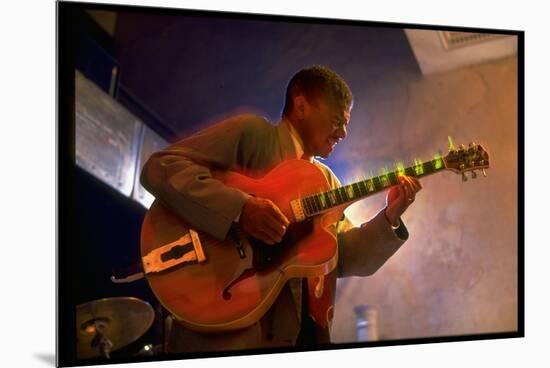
{"x": 182, "y": 177}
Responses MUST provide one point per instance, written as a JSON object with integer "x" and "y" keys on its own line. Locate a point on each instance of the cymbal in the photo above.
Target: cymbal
{"x": 122, "y": 320}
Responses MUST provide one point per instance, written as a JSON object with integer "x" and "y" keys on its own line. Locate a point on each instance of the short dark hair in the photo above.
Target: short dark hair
{"x": 315, "y": 81}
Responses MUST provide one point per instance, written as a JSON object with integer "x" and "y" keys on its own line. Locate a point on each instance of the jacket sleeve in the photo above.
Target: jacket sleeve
{"x": 180, "y": 175}
{"x": 364, "y": 249}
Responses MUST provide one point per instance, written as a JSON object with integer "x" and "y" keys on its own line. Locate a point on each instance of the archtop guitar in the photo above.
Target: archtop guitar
{"x": 214, "y": 285}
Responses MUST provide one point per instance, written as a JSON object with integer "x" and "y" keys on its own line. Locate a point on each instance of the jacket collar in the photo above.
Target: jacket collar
{"x": 286, "y": 145}
{"x": 290, "y": 141}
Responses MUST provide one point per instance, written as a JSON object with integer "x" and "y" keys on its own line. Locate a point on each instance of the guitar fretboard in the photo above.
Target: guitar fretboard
{"x": 323, "y": 201}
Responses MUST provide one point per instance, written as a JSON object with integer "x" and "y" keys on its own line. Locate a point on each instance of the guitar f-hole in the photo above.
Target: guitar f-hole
{"x": 245, "y": 274}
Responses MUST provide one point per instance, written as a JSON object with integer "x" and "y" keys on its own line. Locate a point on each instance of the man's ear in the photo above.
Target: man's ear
{"x": 301, "y": 106}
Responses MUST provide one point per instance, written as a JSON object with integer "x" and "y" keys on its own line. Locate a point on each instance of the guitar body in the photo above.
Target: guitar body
{"x": 240, "y": 277}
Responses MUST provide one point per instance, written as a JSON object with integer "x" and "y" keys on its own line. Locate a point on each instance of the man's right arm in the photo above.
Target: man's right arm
{"x": 181, "y": 178}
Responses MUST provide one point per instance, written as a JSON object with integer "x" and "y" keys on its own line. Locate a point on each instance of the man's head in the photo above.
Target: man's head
{"x": 318, "y": 104}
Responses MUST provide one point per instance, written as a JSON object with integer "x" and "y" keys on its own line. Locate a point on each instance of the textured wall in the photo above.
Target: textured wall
{"x": 457, "y": 274}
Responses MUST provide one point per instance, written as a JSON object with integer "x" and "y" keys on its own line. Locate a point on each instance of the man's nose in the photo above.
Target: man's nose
{"x": 341, "y": 132}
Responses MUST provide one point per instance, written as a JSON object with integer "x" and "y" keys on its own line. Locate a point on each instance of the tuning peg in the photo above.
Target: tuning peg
{"x": 462, "y": 147}
{"x": 472, "y": 145}
{"x": 474, "y": 174}
{"x": 484, "y": 172}
{"x": 464, "y": 177}
{"x": 451, "y": 145}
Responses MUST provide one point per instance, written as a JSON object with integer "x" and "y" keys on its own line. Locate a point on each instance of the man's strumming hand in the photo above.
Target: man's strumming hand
{"x": 263, "y": 220}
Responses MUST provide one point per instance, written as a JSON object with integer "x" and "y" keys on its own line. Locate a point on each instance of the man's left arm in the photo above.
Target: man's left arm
{"x": 364, "y": 249}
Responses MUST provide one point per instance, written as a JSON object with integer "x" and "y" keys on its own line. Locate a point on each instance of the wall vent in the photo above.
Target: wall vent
{"x": 453, "y": 40}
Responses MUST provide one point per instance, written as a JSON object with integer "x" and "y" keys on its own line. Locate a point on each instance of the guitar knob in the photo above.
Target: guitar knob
{"x": 464, "y": 178}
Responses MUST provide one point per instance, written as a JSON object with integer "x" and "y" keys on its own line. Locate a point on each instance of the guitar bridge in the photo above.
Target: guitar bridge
{"x": 174, "y": 253}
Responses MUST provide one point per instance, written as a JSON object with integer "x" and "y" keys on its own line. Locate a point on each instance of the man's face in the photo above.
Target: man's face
{"x": 324, "y": 126}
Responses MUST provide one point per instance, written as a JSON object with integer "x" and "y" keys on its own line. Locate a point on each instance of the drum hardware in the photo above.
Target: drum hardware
{"x": 108, "y": 324}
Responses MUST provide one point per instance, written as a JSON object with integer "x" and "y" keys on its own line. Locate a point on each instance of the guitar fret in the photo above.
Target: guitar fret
{"x": 304, "y": 205}
{"x": 314, "y": 204}
{"x": 339, "y": 195}
{"x": 362, "y": 188}
{"x": 428, "y": 168}
{"x": 317, "y": 202}
{"x": 384, "y": 181}
{"x": 323, "y": 200}
{"x": 437, "y": 163}
{"x": 343, "y": 194}
{"x": 376, "y": 184}
{"x": 418, "y": 168}
{"x": 349, "y": 191}
{"x": 307, "y": 206}
{"x": 369, "y": 185}
{"x": 331, "y": 197}
{"x": 394, "y": 179}
{"x": 356, "y": 191}
{"x": 334, "y": 195}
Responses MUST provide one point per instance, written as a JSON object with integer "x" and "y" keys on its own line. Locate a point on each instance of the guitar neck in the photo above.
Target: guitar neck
{"x": 347, "y": 194}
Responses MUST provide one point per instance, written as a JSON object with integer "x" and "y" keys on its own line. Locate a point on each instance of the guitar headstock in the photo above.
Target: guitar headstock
{"x": 464, "y": 159}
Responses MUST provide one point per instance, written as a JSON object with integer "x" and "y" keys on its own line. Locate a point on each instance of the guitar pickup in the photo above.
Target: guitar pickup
{"x": 186, "y": 249}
